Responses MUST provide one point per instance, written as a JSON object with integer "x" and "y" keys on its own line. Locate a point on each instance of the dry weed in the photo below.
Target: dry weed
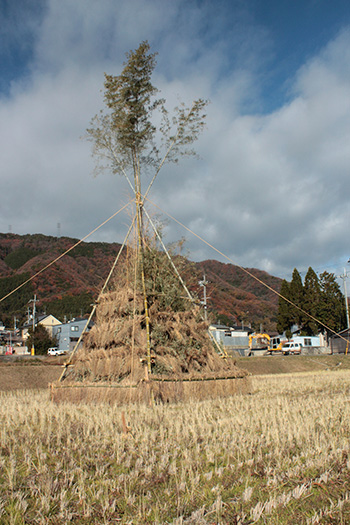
{"x": 279, "y": 455}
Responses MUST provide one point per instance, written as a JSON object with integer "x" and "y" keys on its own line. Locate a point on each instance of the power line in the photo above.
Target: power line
{"x": 62, "y": 254}
{"x": 248, "y": 272}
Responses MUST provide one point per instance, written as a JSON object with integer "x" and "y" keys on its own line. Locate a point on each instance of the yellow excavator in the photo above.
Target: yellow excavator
{"x": 263, "y": 338}
{"x": 276, "y": 344}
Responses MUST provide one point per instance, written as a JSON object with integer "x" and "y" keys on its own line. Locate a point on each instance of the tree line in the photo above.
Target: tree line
{"x": 319, "y": 304}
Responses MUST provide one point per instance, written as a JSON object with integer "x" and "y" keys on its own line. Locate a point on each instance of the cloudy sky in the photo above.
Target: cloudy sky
{"x": 271, "y": 186}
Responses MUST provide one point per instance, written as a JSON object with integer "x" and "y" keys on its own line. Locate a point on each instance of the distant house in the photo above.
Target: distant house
{"x": 68, "y": 334}
{"x": 48, "y": 321}
{"x": 231, "y": 337}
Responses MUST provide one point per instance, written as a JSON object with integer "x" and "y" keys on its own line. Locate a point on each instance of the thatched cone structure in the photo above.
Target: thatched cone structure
{"x": 182, "y": 362}
{"x": 149, "y": 341}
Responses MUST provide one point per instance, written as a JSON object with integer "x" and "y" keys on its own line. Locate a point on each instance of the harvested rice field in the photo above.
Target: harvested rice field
{"x": 277, "y": 455}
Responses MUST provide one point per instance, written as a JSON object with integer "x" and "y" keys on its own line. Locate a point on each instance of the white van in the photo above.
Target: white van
{"x": 55, "y": 351}
{"x": 291, "y": 348}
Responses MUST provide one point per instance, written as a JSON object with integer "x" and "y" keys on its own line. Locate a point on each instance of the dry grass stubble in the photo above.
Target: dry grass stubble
{"x": 277, "y": 456}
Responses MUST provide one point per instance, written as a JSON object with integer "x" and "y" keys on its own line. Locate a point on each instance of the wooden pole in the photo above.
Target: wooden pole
{"x": 139, "y": 204}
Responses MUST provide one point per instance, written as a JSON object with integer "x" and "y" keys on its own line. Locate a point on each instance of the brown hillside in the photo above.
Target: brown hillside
{"x": 82, "y": 269}
{"x": 232, "y": 294}
{"x": 235, "y": 294}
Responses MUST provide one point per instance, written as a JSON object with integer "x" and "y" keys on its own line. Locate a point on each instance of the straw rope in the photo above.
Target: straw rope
{"x": 62, "y": 254}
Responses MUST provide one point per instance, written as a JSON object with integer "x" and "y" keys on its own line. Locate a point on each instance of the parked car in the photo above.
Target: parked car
{"x": 55, "y": 351}
{"x": 291, "y": 348}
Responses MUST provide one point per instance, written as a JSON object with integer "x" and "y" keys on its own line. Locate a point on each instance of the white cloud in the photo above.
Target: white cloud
{"x": 270, "y": 190}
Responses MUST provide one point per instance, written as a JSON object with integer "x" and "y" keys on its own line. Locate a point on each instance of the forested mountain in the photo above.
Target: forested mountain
{"x": 67, "y": 288}
{"x": 238, "y": 297}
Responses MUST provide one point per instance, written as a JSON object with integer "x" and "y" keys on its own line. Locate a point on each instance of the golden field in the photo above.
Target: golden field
{"x": 278, "y": 455}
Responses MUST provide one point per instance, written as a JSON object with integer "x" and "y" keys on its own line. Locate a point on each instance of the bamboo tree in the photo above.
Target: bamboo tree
{"x": 123, "y": 135}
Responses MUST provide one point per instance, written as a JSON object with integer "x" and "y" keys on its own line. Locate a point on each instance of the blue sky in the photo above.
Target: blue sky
{"x": 270, "y": 189}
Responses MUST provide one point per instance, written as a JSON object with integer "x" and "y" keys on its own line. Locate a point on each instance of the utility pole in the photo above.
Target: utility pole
{"x": 34, "y": 301}
{"x": 204, "y": 283}
{"x": 344, "y": 277}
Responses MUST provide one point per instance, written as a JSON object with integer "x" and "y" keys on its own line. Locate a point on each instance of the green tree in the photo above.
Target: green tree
{"x": 332, "y": 312}
{"x": 40, "y": 339}
{"x": 311, "y": 302}
{"x": 296, "y": 294}
{"x": 284, "y": 315}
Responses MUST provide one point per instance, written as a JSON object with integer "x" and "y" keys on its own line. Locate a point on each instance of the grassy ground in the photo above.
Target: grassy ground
{"x": 29, "y": 373}
{"x": 38, "y": 372}
{"x": 279, "y": 364}
{"x": 277, "y": 456}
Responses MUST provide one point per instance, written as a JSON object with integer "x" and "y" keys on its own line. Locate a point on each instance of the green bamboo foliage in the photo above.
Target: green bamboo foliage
{"x": 123, "y": 138}
{"x": 123, "y": 135}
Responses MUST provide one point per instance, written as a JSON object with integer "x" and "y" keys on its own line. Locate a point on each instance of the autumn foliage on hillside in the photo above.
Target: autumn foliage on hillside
{"x": 66, "y": 288}
{"x": 74, "y": 281}
{"x": 237, "y": 296}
